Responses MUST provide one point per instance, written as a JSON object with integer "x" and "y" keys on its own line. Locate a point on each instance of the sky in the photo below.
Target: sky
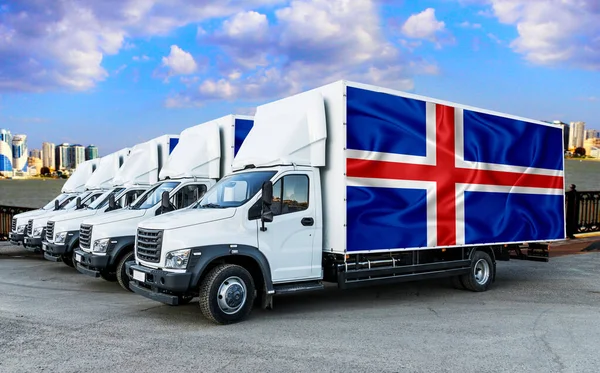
{"x": 115, "y": 73}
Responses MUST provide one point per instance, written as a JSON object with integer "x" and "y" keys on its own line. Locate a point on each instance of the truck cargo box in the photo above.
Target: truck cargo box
{"x": 405, "y": 172}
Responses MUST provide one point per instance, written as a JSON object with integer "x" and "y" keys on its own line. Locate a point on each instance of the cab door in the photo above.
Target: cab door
{"x": 289, "y": 239}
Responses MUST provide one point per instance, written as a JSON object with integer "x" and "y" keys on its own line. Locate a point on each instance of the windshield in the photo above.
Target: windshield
{"x": 72, "y": 201}
{"x": 153, "y": 195}
{"x": 60, "y": 199}
{"x": 85, "y": 199}
{"x": 102, "y": 201}
{"x": 234, "y": 190}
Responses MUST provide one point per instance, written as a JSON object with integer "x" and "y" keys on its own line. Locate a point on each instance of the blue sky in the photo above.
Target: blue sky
{"x": 118, "y": 72}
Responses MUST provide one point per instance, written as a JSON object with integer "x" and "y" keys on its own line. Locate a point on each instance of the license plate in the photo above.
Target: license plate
{"x": 44, "y": 247}
{"x": 139, "y": 276}
{"x": 78, "y": 258}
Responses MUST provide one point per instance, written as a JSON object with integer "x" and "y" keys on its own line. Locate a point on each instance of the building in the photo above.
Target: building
{"x": 49, "y": 155}
{"x": 592, "y": 134}
{"x": 35, "y": 165}
{"x": 62, "y": 156}
{"x": 19, "y": 150}
{"x": 565, "y": 133}
{"x": 78, "y": 155}
{"x": 576, "y": 135}
{"x": 91, "y": 152}
{"x": 6, "y": 157}
{"x": 591, "y": 145}
{"x": 35, "y": 153}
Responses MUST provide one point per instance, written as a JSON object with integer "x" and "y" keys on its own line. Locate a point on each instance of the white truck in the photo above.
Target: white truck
{"x": 357, "y": 185}
{"x": 122, "y": 187}
{"x": 203, "y": 155}
{"x": 95, "y": 186}
{"x": 72, "y": 188}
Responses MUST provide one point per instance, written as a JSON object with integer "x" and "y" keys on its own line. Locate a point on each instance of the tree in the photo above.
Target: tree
{"x": 45, "y": 171}
{"x": 580, "y": 152}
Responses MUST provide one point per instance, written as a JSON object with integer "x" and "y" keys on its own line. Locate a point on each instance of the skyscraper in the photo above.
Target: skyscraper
{"x": 576, "y": 135}
{"x": 78, "y": 155}
{"x": 62, "y": 156}
{"x": 35, "y": 153}
{"x": 5, "y": 151}
{"x": 48, "y": 155}
{"x": 91, "y": 152}
{"x": 19, "y": 148}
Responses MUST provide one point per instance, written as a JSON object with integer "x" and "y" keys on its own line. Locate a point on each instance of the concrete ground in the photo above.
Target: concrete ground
{"x": 538, "y": 317}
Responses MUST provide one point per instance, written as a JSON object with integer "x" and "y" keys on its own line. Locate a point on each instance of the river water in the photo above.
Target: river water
{"x": 37, "y": 192}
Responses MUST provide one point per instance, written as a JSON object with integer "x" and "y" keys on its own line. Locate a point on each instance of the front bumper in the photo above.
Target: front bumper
{"x": 32, "y": 243}
{"x": 162, "y": 286}
{"x": 90, "y": 264}
{"x": 54, "y": 252}
{"x": 16, "y": 238}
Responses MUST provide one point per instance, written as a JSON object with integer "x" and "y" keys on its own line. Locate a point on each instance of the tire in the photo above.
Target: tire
{"x": 457, "y": 283}
{"x": 481, "y": 275}
{"x": 69, "y": 259}
{"x": 122, "y": 277}
{"x": 108, "y": 276}
{"x": 222, "y": 281}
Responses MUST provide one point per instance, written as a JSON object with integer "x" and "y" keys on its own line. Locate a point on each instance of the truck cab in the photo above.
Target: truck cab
{"x": 62, "y": 232}
{"x": 72, "y": 188}
{"x": 36, "y": 226}
{"x": 226, "y": 234}
{"x": 203, "y": 154}
{"x": 20, "y": 221}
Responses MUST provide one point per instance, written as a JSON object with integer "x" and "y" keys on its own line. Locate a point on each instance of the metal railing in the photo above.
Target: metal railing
{"x": 582, "y": 211}
{"x": 6, "y": 215}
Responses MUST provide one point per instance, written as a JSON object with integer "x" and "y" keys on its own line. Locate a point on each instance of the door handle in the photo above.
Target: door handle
{"x": 307, "y": 222}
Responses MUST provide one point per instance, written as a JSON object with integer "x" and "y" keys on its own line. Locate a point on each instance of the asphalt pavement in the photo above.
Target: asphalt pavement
{"x": 538, "y": 317}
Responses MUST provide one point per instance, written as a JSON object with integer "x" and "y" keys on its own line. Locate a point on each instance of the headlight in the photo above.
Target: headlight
{"x": 100, "y": 246}
{"x": 59, "y": 238}
{"x": 177, "y": 259}
{"x": 21, "y": 229}
{"x": 37, "y": 232}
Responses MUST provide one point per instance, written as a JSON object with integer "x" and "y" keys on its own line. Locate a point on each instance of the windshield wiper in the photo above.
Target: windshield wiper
{"x": 211, "y": 206}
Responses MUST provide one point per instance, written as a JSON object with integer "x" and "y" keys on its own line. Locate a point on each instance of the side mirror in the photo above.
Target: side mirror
{"x": 266, "y": 215}
{"x": 56, "y": 205}
{"x": 78, "y": 203}
{"x": 111, "y": 202}
{"x": 165, "y": 204}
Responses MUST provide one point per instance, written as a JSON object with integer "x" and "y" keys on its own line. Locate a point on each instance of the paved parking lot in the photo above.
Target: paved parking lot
{"x": 539, "y": 317}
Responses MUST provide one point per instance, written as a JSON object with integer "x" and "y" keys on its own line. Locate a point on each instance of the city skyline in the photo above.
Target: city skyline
{"x": 17, "y": 157}
{"x": 115, "y": 79}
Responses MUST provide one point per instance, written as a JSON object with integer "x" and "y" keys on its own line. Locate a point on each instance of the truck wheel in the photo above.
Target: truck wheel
{"x": 108, "y": 276}
{"x": 457, "y": 283}
{"x": 122, "y": 277}
{"x": 481, "y": 274}
{"x": 227, "y": 294}
{"x": 69, "y": 259}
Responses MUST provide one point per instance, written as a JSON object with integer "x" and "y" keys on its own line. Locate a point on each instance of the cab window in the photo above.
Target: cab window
{"x": 290, "y": 194}
{"x": 187, "y": 195}
{"x": 129, "y": 197}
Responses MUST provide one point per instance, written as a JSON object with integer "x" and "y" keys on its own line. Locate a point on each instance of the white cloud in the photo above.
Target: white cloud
{"x": 120, "y": 69}
{"x": 309, "y": 43}
{"x": 554, "y": 31}
{"x": 467, "y": 24}
{"x": 142, "y": 58}
{"x": 179, "y": 62}
{"x": 49, "y": 45}
{"x": 423, "y": 25}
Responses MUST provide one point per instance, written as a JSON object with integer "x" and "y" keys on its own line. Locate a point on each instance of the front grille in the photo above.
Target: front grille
{"x": 30, "y": 227}
{"x": 50, "y": 231}
{"x": 85, "y": 236}
{"x": 149, "y": 244}
{"x": 14, "y": 225}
